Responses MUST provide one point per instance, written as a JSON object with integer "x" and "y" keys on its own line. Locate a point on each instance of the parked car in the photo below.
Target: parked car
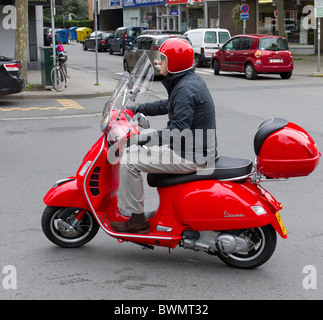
{"x": 254, "y": 54}
{"x": 103, "y": 40}
{"x": 10, "y": 80}
{"x": 149, "y": 44}
{"x": 206, "y": 41}
{"x": 123, "y": 37}
{"x": 153, "y": 31}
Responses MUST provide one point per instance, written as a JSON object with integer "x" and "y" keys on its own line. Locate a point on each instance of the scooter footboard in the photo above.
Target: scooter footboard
{"x": 66, "y": 193}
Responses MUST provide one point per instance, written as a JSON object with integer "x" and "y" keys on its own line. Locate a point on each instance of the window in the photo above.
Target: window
{"x": 223, "y": 37}
{"x": 136, "y": 44}
{"x": 210, "y": 37}
{"x": 245, "y": 43}
{"x": 232, "y": 45}
{"x": 274, "y": 44}
{"x": 145, "y": 43}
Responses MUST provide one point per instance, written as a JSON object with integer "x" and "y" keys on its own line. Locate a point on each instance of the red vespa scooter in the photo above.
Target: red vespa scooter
{"x": 226, "y": 213}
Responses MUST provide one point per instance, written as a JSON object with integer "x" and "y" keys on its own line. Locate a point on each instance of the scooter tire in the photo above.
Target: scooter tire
{"x": 256, "y": 257}
{"x": 85, "y": 232}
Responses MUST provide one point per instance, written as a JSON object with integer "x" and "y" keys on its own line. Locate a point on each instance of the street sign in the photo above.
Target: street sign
{"x": 244, "y": 8}
{"x": 244, "y": 16}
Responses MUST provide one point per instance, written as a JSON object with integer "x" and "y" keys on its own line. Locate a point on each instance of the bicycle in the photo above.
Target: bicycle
{"x": 58, "y": 73}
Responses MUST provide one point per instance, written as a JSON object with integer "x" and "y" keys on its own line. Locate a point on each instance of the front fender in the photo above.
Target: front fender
{"x": 66, "y": 193}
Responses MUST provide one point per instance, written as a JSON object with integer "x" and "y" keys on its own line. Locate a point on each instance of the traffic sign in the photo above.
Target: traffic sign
{"x": 244, "y": 8}
{"x": 244, "y": 16}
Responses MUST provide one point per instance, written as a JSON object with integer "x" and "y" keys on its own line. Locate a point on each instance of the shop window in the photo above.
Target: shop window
{"x": 295, "y": 32}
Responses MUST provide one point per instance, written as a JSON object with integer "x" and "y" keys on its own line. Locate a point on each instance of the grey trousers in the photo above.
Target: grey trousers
{"x": 155, "y": 159}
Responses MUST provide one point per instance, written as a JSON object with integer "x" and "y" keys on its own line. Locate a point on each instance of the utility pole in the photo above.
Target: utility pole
{"x": 21, "y": 37}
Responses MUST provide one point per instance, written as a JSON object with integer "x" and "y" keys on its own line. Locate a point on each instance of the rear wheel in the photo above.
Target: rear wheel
{"x": 286, "y": 75}
{"x": 250, "y": 72}
{"x": 57, "y": 78}
{"x": 60, "y": 226}
{"x": 262, "y": 244}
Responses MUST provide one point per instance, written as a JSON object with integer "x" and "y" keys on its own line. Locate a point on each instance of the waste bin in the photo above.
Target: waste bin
{"x": 83, "y": 33}
{"x": 46, "y": 63}
{"x": 62, "y": 35}
{"x": 73, "y": 34}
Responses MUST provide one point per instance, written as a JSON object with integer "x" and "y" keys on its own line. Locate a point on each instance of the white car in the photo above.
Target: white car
{"x": 206, "y": 41}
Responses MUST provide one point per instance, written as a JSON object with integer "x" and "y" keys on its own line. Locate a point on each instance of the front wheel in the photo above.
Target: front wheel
{"x": 216, "y": 68}
{"x": 262, "y": 244}
{"x": 60, "y": 226}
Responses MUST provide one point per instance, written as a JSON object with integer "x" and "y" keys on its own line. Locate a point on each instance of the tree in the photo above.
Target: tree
{"x": 21, "y": 38}
{"x": 281, "y": 21}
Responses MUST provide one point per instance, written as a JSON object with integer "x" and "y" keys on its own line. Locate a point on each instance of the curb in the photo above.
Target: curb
{"x": 61, "y": 95}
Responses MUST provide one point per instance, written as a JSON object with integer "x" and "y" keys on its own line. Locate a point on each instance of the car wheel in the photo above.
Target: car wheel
{"x": 197, "y": 61}
{"x": 84, "y": 46}
{"x": 110, "y": 51}
{"x": 250, "y": 72}
{"x": 121, "y": 51}
{"x": 126, "y": 66}
{"x": 216, "y": 67}
{"x": 286, "y": 75}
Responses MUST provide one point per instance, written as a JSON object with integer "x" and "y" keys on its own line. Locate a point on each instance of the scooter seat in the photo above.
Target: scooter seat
{"x": 225, "y": 168}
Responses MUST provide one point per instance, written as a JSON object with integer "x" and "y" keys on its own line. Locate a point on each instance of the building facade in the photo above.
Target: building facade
{"x": 183, "y": 15}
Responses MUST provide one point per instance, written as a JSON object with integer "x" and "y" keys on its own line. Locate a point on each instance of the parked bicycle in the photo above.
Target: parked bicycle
{"x": 58, "y": 74}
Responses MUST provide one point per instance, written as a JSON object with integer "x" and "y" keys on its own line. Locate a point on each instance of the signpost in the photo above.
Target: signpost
{"x": 244, "y": 15}
{"x": 318, "y": 14}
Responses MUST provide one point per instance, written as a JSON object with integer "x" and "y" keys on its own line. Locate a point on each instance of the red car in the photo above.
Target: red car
{"x": 253, "y": 54}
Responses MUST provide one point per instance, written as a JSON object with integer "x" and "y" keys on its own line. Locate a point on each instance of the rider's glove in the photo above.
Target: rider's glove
{"x": 148, "y": 136}
{"x": 133, "y": 108}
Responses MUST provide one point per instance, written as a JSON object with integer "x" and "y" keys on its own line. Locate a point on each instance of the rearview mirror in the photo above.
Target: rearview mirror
{"x": 143, "y": 122}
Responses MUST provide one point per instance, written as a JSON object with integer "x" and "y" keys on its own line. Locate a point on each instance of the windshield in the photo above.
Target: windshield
{"x": 131, "y": 89}
{"x": 274, "y": 44}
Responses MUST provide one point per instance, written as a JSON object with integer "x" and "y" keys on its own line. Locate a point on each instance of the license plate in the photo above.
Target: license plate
{"x": 276, "y": 60}
{"x": 281, "y": 223}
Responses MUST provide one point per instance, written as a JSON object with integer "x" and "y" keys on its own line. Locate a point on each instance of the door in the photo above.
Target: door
{"x": 228, "y": 58}
{"x": 241, "y": 55}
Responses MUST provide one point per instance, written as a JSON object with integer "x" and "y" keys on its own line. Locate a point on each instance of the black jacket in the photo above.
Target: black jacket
{"x": 191, "y": 115}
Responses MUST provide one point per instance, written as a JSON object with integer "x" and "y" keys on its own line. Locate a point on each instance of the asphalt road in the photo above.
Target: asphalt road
{"x": 39, "y": 147}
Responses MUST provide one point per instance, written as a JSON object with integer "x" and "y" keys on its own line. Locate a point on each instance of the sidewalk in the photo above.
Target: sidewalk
{"x": 81, "y": 84}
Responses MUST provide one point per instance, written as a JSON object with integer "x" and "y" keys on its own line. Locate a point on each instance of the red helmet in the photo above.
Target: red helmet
{"x": 179, "y": 54}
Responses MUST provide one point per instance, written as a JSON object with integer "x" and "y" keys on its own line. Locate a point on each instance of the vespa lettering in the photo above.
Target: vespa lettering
{"x": 232, "y": 215}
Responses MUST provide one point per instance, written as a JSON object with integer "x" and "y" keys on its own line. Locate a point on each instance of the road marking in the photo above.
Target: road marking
{"x": 65, "y": 105}
{"x": 69, "y": 103}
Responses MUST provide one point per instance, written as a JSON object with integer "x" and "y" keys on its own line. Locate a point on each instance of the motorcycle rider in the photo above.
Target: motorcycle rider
{"x": 191, "y": 114}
